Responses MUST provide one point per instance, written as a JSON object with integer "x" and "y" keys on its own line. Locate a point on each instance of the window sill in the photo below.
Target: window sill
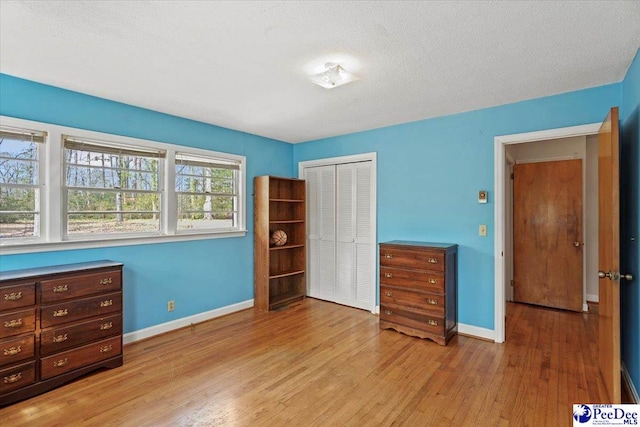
{"x": 35, "y": 247}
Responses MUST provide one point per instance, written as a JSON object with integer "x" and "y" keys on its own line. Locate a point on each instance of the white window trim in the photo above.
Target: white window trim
{"x": 52, "y": 208}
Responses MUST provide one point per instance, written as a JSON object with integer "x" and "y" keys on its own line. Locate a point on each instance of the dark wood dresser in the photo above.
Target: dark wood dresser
{"x": 56, "y": 324}
{"x": 418, "y": 286}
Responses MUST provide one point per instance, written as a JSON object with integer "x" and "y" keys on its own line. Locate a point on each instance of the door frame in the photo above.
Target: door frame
{"x": 357, "y": 158}
{"x": 500, "y": 243}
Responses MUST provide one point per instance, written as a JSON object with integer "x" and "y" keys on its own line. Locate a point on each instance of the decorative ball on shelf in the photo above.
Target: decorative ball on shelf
{"x": 278, "y": 238}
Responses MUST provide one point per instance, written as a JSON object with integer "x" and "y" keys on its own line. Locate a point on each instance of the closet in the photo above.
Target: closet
{"x": 341, "y": 261}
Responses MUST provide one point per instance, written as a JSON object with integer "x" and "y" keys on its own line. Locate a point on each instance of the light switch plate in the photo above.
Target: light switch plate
{"x": 482, "y": 230}
{"x": 482, "y": 196}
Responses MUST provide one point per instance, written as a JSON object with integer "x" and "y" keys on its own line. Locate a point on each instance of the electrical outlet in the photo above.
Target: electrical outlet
{"x": 171, "y": 305}
{"x": 482, "y": 231}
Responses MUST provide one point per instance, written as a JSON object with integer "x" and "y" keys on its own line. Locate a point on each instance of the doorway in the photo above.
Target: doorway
{"x": 503, "y": 213}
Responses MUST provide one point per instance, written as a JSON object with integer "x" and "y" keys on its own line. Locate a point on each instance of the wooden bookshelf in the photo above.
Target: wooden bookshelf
{"x": 279, "y": 271}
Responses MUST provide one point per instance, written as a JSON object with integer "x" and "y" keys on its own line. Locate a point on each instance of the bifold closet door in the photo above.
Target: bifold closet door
{"x": 354, "y": 240}
{"x": 341, "y": 245}
{"x": 321, "y": 230}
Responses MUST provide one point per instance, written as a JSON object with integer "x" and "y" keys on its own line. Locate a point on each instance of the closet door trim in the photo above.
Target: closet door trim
{"x": 365, "y": 157}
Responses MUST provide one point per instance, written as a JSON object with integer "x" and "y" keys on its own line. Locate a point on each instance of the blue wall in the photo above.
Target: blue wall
{"x": 429, "y": 174}
{"x": 198, "y": 275}
{"x": 630, "y": 219}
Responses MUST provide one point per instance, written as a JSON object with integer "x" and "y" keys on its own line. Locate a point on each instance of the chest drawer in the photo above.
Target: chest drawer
{"x": 17, "y": 322}
{"x": 433, "y": 303}
{"x": 414, "y": 259}
{"x": 80, "y": 285}
{"x": 414, "y": 279}
{"x": 61, "y": 363}
{"x": 64, "y": 337}
{"x": 13, "y": 350}
{"x": 413, "y": 319}
{"x": 57, "y": 314}
{"x": 17, "y": 296}
{"x": 17, "y": 377}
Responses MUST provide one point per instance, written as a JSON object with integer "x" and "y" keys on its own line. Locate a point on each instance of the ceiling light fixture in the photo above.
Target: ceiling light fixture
{"x": 333, "y": 76}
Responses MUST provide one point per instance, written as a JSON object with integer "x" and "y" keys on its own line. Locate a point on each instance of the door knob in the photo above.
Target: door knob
{"x": 614, "y": 276}
{"x": 577, "y": 244}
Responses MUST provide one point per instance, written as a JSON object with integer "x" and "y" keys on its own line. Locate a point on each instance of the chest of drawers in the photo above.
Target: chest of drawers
{"x": 56, "y": 324}
{"x": 418, "y": 289}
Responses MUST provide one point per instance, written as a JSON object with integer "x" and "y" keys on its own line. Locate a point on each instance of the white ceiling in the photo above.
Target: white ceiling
{"x": 244, "y": 65}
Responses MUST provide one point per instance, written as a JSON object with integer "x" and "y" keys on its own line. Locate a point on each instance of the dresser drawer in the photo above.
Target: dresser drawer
{"x": 13, "y": 350}
{"x": 414, "y": 279}
{"x": 80, "y": 285}
{"x": 403, "y": 258}
{"x": 412, "y": 319}
{"x": 17, "y": 296}
{"x": 57, "y": 314}
{"x": 61, "y": 363}
{"x": 64, "y": 337}
{"x": 17, "y": 377}
{"x": 433, "y": 303}
{"x": 17, "y": 322}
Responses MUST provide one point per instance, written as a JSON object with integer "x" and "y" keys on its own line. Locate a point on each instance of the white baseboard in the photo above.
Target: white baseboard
{"x": 593, "y": 297}
{"x": 629, "y": 384}
{"x": 475, "y": 331}
{"x": 141, "y": 334}
{"x": 377, "y": 310}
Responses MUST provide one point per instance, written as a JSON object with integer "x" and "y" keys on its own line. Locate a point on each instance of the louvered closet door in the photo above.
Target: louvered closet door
{"x": 321, "y": 232}
{"x": 354, "y": 239}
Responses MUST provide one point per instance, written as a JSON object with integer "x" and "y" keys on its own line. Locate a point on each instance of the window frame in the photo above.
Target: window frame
{"x": 40, "y": 187}
{"x": 53, "y": 207}
{"x": 105, "y": 147}
{"x": 213, "y": 161}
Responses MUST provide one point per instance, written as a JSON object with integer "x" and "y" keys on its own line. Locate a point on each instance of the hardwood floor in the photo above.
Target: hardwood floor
{"x": 321, "y": 364}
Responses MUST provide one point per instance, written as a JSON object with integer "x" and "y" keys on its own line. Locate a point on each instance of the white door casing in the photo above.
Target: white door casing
{"x": 499, "y": 209}
{"x": 350, "y": 256}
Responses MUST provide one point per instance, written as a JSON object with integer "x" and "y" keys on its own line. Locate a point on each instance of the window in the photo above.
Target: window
{"x": 111, "y": 189}
{"x": 20, "y": 183}
{"x": 68, "y": 188}
{"x": 207, "y": 193}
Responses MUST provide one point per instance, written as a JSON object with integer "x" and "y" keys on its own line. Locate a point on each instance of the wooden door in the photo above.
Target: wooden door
{"x": 609, "y": 254}
{"x": 547, "y": 234}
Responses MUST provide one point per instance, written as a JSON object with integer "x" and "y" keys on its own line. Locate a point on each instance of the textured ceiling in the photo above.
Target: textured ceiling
{"x": 244, "y": 65}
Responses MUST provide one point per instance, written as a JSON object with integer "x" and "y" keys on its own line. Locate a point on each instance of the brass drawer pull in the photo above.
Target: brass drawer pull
{"x": 61, "y": 288}
{"x": 106, "y": 326}
{"x": 12, "y": 351}
{"x": 60, "y": 338}
{"x": 389, "y": 256}
{"x": 433, "y": 260}
{"x": 388, "y": 293}
{"x": 388, "y": 275}
{"x": 106, "y": 281}
{"x": 60, "y": 363}
{"x": 106, "y": 348}
{"x": 106, "y": 303}
{"x": 15, "y": 323}
{"x": 432, "y": 322}
{"x": 60, "y": 313}
{"x": 13, "y": 296}
{"x": 388, "y": 312}
{"x": 13, "y": 378}
{"x": 432, "y": 301}
{"x": 433, "y": 281}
